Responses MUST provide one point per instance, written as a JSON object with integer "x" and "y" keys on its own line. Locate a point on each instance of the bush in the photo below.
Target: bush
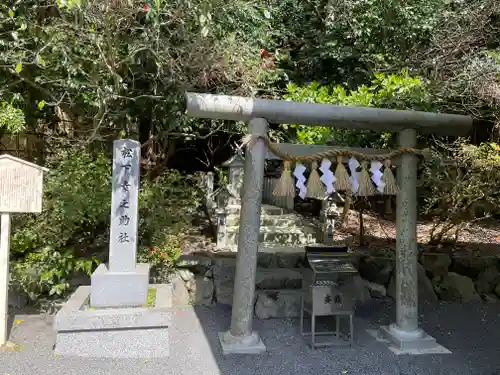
{"x": 464, "y": 191}
{"x": 71, "y": 235}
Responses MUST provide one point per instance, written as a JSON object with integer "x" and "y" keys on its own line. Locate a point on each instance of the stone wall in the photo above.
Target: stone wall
{"x": 460, "y": 278}
{"x": 208, "y": 279}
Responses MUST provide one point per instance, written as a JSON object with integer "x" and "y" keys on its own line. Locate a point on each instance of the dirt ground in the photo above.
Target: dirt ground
{"x": 481, "y": 239}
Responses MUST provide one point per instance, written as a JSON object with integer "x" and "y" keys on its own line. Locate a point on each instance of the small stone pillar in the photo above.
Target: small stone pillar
{"x": 209, "y": 191}
{"x": 240, "y": 338}
{"x": 221, "y": 212}
{"x": 221, "y": 227}
{"x": 328, "y": 216}
{"x": 236, "y": 171}
{"x": 405, "y": 334}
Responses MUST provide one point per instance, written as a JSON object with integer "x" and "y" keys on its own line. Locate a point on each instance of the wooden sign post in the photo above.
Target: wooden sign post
{"x": 21, "y": 188}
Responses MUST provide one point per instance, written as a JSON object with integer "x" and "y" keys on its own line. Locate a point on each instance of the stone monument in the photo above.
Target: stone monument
{"x": 21, "y": 188}
{"x": 124, "y": 283}
{"x": 111, "y": 318}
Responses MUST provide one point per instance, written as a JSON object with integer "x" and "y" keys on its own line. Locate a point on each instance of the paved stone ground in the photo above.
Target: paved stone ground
{"x": 471, "y": 332}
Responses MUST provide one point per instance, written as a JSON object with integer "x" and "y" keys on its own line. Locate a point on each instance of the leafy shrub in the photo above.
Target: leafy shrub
{"x": 463, "y": 191}
{"x": 162, "y": 258}
{"x": 395, "y": 91}
{"x": 166, "y": 206}
{"x": 48, "y": 272}
{"x": 71, "y": 235}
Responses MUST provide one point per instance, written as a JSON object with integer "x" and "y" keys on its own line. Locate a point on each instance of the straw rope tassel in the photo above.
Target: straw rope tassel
{"x": 341, "y": 176}
{"x": 286, "y": 184}
{"x": 315, "y": 188}
{"x": 391, "y": 188}
{"x": 366, "y": 188}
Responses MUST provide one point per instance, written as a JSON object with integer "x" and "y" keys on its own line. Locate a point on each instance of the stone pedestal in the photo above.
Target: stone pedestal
{"x": 248, "y": 344}
{"x": 119, "y": 289}
{"x": 403, "y": 342}
{"x": 140, "y": 332}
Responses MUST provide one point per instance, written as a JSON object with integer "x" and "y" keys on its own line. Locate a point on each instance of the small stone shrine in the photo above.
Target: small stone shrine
{"x": 115, "y": 317}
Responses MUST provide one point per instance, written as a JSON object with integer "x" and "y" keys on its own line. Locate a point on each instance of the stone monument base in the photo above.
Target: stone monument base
{"x": 118, "y": 289}
{"x": 252, "y": 344}
{"x": 136, "y": 332}
{"x": 412, "y": 343}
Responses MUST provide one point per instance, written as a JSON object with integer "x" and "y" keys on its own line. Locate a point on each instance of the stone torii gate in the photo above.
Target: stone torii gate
{"x": 405, "y": 333}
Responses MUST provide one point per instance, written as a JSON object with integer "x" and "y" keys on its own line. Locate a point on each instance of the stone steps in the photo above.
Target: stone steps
{"x": 271, "y": 220}
{"x": 266, "y": 209}
{"x": 271, "y": 235}
{"x": 275, "y": 257}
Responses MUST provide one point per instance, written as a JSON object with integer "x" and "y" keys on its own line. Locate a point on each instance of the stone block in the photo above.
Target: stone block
{"x": 401, "y": 344}
{"x": 180, "y": 293}
{"x": 119, "y": 289}
{"x": 376, "y": 290}
{"x": 266, "y": 278}
{"x": 436, "y": 264}
{"x": 278, "y": 304}
{"x": 201, "y": 290}
{"x": 426, "y": 290}
{"x": 289, "y": 259}
{"x": 196, "y": 261}
{"x": 376, "y": 270}
{"x": 487, "y": 280}
{"x": 145, "y": 343}
{"x": 278, "y": 278}
{"x": 456, "y": 288}
{"x": 138, "y": 332}
{"x": 471, "y": 265}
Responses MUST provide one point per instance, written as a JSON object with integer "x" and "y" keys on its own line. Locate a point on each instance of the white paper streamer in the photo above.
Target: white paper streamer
{"x": 301, "y": 180}
{"x": 353, "y": 179}
{"x": 377, "y": 175}
{"x": 328, "y": 178}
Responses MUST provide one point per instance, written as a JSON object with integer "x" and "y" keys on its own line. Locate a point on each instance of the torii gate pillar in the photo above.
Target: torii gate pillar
{"x": 404, "y": 335}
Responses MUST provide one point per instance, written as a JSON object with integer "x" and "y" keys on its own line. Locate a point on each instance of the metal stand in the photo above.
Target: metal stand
{"x": 326, "y": 301}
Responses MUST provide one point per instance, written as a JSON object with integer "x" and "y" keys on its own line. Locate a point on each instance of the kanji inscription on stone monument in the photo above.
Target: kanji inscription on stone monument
{"x": 124, "y": 205}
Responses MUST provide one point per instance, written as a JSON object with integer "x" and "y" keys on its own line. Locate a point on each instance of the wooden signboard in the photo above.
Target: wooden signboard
{"x": 21, "y": 188}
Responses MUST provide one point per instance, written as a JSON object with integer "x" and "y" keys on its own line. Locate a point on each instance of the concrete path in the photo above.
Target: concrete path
{"x": 471, "y": 332}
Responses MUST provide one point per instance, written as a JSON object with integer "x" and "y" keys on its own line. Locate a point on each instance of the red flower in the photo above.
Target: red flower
{"x": 145, "y": 8}
{"x": 264, "y": 53}
{"x": 164, "y": 255}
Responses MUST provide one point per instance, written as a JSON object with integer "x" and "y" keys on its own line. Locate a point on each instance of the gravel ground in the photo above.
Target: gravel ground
{"x": 471, "y": 332}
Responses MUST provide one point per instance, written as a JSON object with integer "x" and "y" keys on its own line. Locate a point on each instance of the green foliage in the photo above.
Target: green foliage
{"x": 461, "y": 192}
{"x": 166, "y": 207}
{"x": 76, "y": 205}
{"x": 48, "y": 272}
{"x": 72, "y": 233}
{"x": 162, "y": 258}
{"x": 395, "y": 91}
{"x": 11, "y": 118}
{"x": 124, "y": 66}
{"x": 344, "y": 40}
